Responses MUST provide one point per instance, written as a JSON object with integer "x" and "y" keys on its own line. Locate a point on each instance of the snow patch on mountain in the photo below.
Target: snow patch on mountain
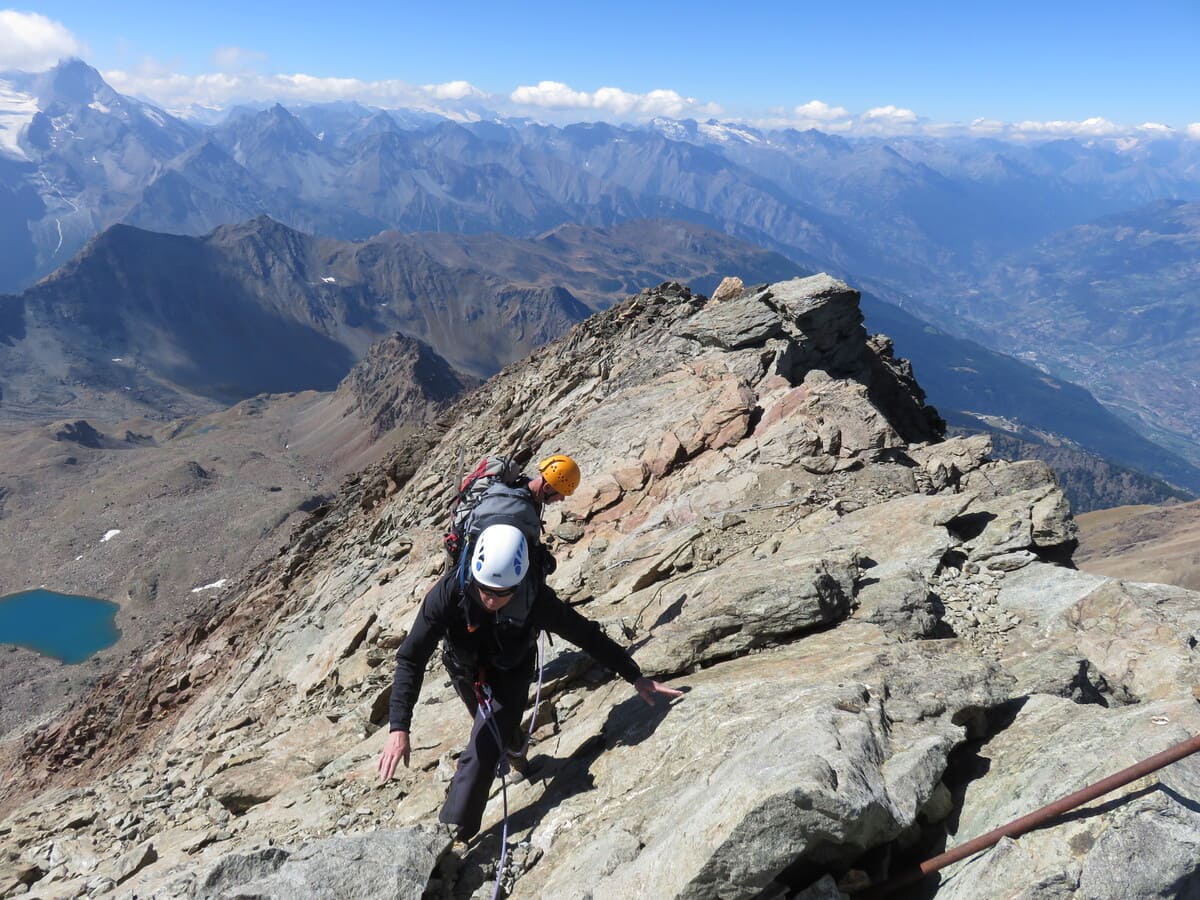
{"x": 670, "y": 128}
{"x": 726, "y": 133}
{"x": 710, "y": 132}
{"x": 17, "y": 110}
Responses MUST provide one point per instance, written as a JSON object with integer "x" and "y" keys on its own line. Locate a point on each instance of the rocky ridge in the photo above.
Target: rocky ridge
{"x": 884, "y": 647}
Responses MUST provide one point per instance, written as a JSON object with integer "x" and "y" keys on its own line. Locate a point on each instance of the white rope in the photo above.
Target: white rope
{"x": 503, "y": 765}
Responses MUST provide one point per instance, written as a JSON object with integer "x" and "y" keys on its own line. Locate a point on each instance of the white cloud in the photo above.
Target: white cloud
{"x": 237, "y": 59}
{"x": 1193, "y": 131}
{"x": 670, "y": 103}
{"x": 1093, "y": 127}
{"x": 616, "y": 101}
{"x": 555, "y": 95}
{"x": 988, "y": 127}
{"x": 30, "y": 42}
{"x": 176, "y": 91}
{"x": 452, "y": 90}
{"x": 552, "y": 94}
{"x": 818, "y": 111}
{"x": 888, "y": 119}
{"x": 814, "y": 114}
{"x": 891, "y": 115}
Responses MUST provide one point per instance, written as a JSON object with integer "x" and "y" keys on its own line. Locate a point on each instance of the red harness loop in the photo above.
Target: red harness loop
{"x": 483, "y": 691}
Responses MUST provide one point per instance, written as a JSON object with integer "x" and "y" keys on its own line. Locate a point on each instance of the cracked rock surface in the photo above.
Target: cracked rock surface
{"x": 861, "y": 614}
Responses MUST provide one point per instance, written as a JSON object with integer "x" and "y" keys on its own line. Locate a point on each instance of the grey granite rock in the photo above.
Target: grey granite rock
{"x": 1142, "y": 840}
{"x": 383, "y": 865}
{"x": 846, "y": 600}
{"x": 738, "y": 322}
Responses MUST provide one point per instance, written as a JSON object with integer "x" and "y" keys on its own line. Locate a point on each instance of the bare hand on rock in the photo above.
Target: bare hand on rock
{"x": 396, "y": 749}
{"x": 647, "y": 688}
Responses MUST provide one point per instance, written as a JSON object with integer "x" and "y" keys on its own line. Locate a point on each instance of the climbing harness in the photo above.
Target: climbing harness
{"x": 483, "y": 698}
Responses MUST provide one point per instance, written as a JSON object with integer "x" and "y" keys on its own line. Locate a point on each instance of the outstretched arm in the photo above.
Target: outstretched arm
{"x": 396, "y": 749}
{"x": 647, "y": 688}
{"x": 411, "y": 657}
{"x": 414, "y": 652}
{"x": 585, "y": 634}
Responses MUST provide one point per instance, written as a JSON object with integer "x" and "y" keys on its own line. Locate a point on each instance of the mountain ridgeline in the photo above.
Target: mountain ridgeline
{"x": 946, "y": 228}
{"x": 258, "y": 307}
{"x": 904, "y": 211}
{"x": 149, "y": 324}
{"x": 884, "y": 648}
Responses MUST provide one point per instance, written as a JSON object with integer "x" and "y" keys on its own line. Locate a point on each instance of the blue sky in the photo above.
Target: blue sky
{"x": 918, "y": 63}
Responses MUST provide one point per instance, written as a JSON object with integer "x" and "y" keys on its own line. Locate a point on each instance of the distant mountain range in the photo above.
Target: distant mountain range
{"x": 943, "y": 228}
{"x": 900, "y": 211}
{"x": 73, "y": 156}
{"x": 142, "y": 323}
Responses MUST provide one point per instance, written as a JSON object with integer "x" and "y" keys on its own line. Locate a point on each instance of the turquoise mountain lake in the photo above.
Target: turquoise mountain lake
{"x": 61, "y": 626}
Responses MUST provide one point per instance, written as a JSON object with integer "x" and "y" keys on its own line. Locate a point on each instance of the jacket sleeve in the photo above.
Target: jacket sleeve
{"x": 554, "y": 615}
{"x": 414, "y": 653}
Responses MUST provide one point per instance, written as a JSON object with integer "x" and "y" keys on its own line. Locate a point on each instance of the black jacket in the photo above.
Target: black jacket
{"x": 499, "y": 642}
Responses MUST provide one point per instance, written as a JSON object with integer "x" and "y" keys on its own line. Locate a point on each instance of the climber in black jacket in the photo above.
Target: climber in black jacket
{"x": 488, "y": 620}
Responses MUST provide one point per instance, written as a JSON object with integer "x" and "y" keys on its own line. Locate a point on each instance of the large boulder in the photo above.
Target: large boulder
{"x": 809, "y": 753}
{"x": 383, "y": 865}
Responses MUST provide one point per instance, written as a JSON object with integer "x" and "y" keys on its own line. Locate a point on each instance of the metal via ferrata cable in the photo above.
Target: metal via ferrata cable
{"x": 1036, "y": 818}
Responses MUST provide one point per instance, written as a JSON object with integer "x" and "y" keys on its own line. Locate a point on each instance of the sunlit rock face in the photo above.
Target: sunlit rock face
{"x": 881, "y": 640}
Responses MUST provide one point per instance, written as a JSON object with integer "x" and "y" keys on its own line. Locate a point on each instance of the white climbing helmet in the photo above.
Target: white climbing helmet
{"x": 501, "y": 557}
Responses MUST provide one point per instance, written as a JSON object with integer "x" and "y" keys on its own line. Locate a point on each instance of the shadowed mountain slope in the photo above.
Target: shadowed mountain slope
{"x": 174, "y": 324}
{"x": 147, "y": 324}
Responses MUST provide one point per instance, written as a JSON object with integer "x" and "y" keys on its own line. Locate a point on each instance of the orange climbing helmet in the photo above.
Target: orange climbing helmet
{"x": 561, "y": 473}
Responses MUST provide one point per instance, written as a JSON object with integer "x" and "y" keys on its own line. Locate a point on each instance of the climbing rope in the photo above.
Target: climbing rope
{"x": 483, "y": 693}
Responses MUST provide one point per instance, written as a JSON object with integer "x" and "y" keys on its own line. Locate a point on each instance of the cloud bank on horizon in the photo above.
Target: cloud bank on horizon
{"x": 32, "y": 42}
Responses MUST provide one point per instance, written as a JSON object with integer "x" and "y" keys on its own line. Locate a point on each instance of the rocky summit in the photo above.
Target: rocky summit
{"x": 884, "y": 647}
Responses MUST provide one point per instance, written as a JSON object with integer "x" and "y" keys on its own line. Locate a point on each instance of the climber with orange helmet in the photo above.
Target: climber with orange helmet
{"x": 487, "y": 625}
{"x": 514, "y": 500}
{"x": 558, "y": 476}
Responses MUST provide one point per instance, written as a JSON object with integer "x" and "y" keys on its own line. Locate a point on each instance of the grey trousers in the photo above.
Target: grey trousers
{"x": 472, "y": 779}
